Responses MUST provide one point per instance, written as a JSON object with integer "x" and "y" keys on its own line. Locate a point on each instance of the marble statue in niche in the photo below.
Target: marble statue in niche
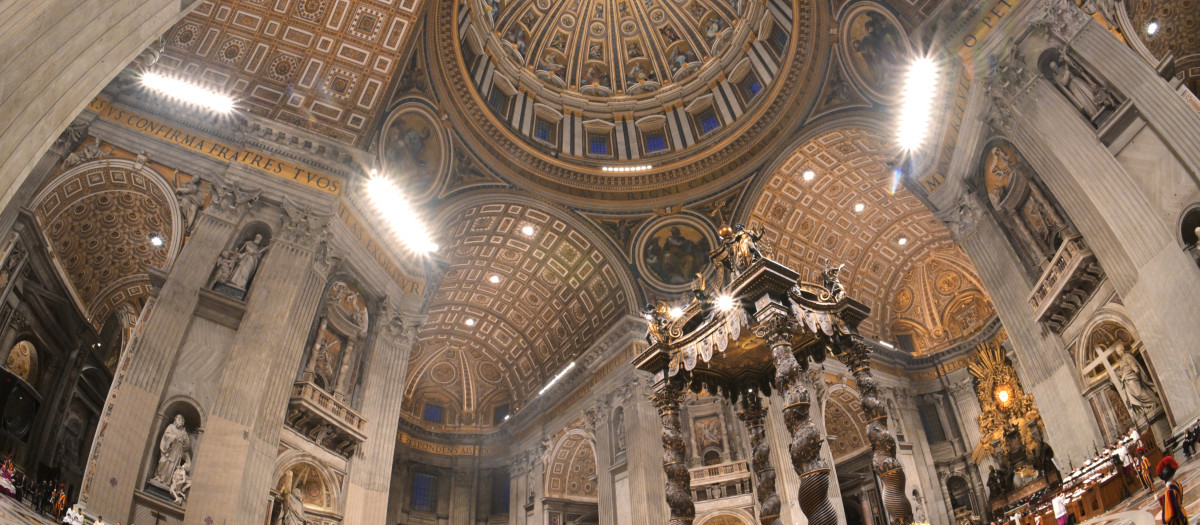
{"x": 174, "y": 449}
{"x": 181, "y": 483}
{"x": 619, "y": 430}
{"x": 246, "y": 264}
{"x": 291, "y": 512}
{"x": 1139, "y": 393}
{"x": 1087, "y": 94}
{"x": 919, "y": 515}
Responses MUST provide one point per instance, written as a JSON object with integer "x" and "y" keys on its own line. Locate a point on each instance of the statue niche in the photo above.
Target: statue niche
{"x": 304, "y": 495}
{"x": 1033, "y": 221}
{"x": 237, "y": 267}
{"x": 1090, "y": 96}
{"x": 170, "y": 477}
{"x": 335, "y": 350}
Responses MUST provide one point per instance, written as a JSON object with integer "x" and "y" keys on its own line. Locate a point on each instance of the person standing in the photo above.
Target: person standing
{"x": 1171, "y": 500}
{"x": 1060, "y": 508}
{"x": 1143, "y": 468}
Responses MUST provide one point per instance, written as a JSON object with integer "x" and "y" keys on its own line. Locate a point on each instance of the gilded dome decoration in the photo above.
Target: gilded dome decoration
{"x": 572, "y": 95}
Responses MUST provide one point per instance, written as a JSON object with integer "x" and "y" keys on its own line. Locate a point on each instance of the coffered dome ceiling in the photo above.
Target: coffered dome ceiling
{"x": 571, "y": 96}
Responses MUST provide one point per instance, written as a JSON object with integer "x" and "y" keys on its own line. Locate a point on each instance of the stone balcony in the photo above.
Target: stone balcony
{"x": 328, "y": 422}
{"x": 722, "y": 482}
{"x": 1071, "y": 278}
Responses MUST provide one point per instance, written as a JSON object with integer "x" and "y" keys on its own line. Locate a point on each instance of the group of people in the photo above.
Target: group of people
{"x": 45, "y": 496}
{"x": 1191, "y": 439}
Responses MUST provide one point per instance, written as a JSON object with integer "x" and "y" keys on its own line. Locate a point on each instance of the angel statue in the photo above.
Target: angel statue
{"x": 699, "y": 290}
{"x": 659, "y": 317}
{"x": 829, "y": 279}
{"x": 739, "y": 247}
{"x": 191, "y": 200}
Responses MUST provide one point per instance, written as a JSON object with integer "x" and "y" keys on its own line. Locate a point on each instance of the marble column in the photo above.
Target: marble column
{"x": 605, "y": 490}
{"x": 644, "y": 453}
{"x": 122, "y": 445}
{"x": 235, "y": 468}
{"x": 1042, "y": 363}
{"x": 1156, "y": 280}
{"x": 56, "y": 55}
{"x": 383, "y": 389}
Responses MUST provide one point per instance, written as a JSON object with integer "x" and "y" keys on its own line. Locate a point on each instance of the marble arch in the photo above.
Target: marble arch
{"x": 571, "y": 468}
{"x": 1109, "y": 314}
{"x": 130, "y": 201}
{"x": 845, "y": 419}
{"x": 329, "y": 498}
{"x": 726, "y": 517}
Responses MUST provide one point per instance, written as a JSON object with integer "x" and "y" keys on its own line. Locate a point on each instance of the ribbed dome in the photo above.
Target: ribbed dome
{"x": 612, "y": 47}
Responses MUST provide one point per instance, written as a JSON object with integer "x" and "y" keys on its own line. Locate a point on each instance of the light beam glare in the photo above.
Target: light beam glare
{"x": 920, "y": 86}
{"x": 389, "y": 201}
{"x": 188, "y": 93}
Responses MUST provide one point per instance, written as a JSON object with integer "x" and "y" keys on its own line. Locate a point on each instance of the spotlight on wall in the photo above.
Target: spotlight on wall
{"x": 494, "y": 279}
{"x": 155, "y": 240}
{"x": 902, "y": 240}
{"x": 920, "y": 86}
{"x": 390, "y": 202}
{"x": 808, "y": 175}
{"x": 188, "y": 93}
{"x": 556, "y": 378}
{"x": 527, "y": 230}
{"x": 470, "y": 321}
{"x": 675, "y": 312}
{"x": 1151, "y": 28}
{"x": 724, "y": 303}
{"x": 858, "y": 208}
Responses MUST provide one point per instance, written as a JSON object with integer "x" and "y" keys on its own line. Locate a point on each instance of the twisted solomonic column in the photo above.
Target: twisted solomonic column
{"x": 891, "y": 475}
{"x": 753, "y": 414}
{"x": 805, "y": 448}
{"x": 666, "y": 398}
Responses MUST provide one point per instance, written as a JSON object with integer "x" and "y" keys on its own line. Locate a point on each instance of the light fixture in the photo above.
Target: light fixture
{"x": 724, "y": 303}
{"x": 506, "y": 416}
{"x": 155, "y": 240}
{"x": 527, "y": 230}
{"x": 808, "y": 175}
{"x": 625, "y": 169}
{"x": 187, "y": 92}
{"x": 920, "y": 86}
{"x": 902, "y": 240}
{"x": 887, "y": 344}
{"x": 1151, "y": 28}
{"x": 494, "y": 279}
{"x": 374, "y": 172}
{"x": 400, "y": 215}
{"x": 470, "y": 321}
{"x": 556, "y": 378}
{"x": 859, "y": 207}
{"x": 675, "y": 312}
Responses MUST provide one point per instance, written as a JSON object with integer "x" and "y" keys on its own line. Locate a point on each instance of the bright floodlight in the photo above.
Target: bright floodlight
{"x": 1151, "y": 28}
{"x": 527, "y": 230}
{"x": 495, "y": 279}
{"x": 902, "y": 241}
{"x": 859, "y": 207}
{"x": 675, "y": 312}
{"x": 188, "y": 93}
{"x": 470, "y": 321}
{"x": 556, "y": 378}
{"x": 724, "y": 303}
{"x": 920, "y": 84}
{"x": 156, "y": 240}
{"x": 389, "y": 201}
{"x": 808, "y": 175}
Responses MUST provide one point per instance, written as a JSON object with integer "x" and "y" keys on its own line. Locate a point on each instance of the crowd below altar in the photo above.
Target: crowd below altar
{"x": 46, "y": 497}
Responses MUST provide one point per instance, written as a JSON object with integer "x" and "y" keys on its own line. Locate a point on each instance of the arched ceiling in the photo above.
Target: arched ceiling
{"x": 486, "y": 343}
{"x": 320, "y": 65}
{"x": 571, "y": 470}
{"x": 845, "y": 419}
{"x": 97, "y": 220}
{"x": 939, "y": 301}
{"x": 809, "y": 222}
